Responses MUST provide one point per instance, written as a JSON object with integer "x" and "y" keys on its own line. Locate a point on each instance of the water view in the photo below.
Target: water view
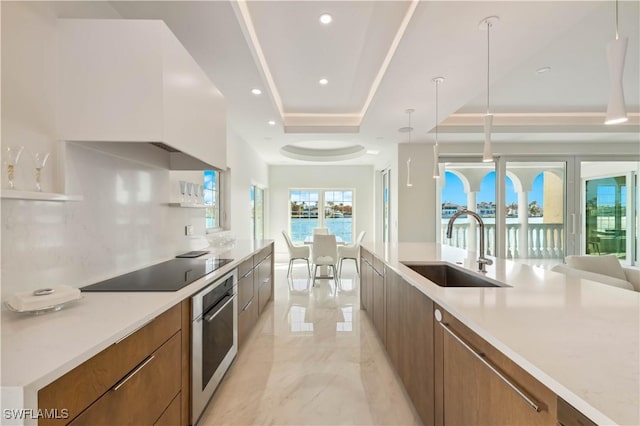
{"x": 303, "y": 227}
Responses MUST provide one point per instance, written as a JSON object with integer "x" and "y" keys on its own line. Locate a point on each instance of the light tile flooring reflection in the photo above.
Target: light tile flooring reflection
{"x": 312, "y": 359}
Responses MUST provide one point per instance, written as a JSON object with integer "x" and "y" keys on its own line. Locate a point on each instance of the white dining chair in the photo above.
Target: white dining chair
{"x": 296, "y": 252}
{"x": 350, "y": 251}
{"x": 324, "y": 253}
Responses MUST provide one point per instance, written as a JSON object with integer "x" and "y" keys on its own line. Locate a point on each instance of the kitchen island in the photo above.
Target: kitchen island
{"x": 578, "y": 338}
{"x": 37, "y": 350}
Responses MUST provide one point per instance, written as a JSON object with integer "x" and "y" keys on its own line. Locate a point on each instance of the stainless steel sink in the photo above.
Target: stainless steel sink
{"x": 448, "y": 276}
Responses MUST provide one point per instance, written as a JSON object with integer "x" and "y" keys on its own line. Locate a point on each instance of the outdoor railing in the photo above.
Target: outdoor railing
{"x": 545, "y": 240}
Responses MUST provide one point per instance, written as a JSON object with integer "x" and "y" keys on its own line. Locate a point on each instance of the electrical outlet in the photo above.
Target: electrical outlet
{"x": 188, "y": 230}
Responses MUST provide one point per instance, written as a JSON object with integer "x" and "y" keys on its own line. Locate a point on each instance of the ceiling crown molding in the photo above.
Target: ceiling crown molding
{"x": 310, "y": 122}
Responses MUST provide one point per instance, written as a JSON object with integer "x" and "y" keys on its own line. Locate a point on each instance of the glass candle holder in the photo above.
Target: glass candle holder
{"x": 40, "y": 160}
{"x": 183, "y": 190}
{"x": 12, "y": 154}
{"x": 196, "y": 193}
{"x": 189, "y": 192}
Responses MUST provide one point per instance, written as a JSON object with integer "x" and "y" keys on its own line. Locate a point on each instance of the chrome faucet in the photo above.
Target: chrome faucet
{"x": 482, "y": 261}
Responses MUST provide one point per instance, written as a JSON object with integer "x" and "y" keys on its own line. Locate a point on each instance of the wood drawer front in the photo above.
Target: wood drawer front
{"x": 245, "y": 290}
{"x": 247, "y": 319}
{"x": 500, "y": 405}
{"x": 77, "y": 389}
{"x": 142, "y": 396}
{"x": 264, "y": 293}
{"x": 569, "y": 416}
{"x": 171, "y": 416}
{"x": 367, "y": 255}
{"x": 245, "y": 267}
{"x": 378, "y": 265}
{"x": 259, "y": 257}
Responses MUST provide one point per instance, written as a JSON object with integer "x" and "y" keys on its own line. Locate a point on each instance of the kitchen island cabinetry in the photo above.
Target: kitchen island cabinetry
{"x": 134, "y": 381}
{"x": 476, "y": 384}
{"x": 410, "y": 344}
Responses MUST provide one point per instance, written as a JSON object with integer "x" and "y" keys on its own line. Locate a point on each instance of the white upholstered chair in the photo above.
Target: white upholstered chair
{"x": 351, "y": 251}
{"x": 324, "y": 253}
{"x": 296, "y": 252}
{"x": 605, "y": 269}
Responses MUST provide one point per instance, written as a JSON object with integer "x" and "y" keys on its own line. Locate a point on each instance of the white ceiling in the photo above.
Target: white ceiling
{"x": 380, "y": 57}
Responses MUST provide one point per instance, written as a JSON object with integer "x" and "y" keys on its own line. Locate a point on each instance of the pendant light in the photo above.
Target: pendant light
{"x": 487, "y": 155}
{"x": 410, "y": 129}
{"x": 436, "y": 166}
{"x": 616, "y": 52}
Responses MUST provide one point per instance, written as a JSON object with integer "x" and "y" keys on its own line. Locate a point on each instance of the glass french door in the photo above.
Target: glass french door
{"x": 610, "y": 209}
{"x": 386, "y": 206}
{"x": 257, "y": 212}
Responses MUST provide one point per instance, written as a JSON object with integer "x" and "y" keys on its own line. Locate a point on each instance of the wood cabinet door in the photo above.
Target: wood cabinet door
{"x": 419, "y": 352}
{"x": 396, "y": 322}
{"x": 141, "y": 396}
{"x": 480, "y": 386}
{"x": 378, "y": 314}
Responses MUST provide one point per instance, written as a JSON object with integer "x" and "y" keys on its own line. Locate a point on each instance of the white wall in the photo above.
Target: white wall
{"x": 283, "y": 178}
{"x": 123, "y": 223}
{"x": 415, "y": 203}
{"x": 246, "y": 168}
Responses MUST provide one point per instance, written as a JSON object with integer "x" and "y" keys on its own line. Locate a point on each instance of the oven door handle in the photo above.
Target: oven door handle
{"x": 215, "y": 311}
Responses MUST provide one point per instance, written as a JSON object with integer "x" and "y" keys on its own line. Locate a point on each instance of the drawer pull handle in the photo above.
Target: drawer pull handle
{"x": 247, "y": 305}
{"x": 533, "y": 404}
{"x": 133, "y": 373}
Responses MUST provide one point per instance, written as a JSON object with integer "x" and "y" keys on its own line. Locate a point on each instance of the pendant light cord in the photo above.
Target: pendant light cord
{"x": 488, "y": 44}
{"x": 437, "y": 84}
{"x": 617, "y": 36}
{"x": 410, "y": 129}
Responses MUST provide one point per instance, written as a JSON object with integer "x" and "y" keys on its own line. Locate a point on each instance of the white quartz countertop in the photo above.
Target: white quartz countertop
{"x": 580, "y": 338}
{"x": 36, "y": 350}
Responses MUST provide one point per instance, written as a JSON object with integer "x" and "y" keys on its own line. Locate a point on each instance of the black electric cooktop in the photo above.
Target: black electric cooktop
{"x": 171, "y": 275}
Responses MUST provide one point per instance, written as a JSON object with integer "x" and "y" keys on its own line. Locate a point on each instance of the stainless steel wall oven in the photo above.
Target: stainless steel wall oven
{"x": 214, "y": 313}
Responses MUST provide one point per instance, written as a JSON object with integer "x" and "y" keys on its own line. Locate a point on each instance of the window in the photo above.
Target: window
{"x": 609, "y": 207}
{"x": 304, "y": 213}
{"x": 337, "y": 207}
{"x": 338, "y": 213}
{"x": 257, "y": 212}
{"x": 211, "y": 195}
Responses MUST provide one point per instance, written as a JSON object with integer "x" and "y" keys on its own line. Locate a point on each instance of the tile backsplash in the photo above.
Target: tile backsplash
{"x": 123, "y": 223}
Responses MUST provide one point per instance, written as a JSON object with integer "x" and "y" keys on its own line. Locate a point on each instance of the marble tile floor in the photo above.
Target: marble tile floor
{"x": 312, "y": 359}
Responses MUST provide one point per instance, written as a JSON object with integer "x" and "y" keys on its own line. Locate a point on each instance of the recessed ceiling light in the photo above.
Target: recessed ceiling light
{"x": 326, "y": 19}
{"x": 272, "y": 123}
{"x": 542, "y": 70}
{"x": 256, "y": 91}
{"x": 373, "y": 152}
{"x": 323, "y": 81}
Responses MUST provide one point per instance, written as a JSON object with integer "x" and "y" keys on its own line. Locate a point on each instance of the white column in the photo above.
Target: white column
{"x": 472, "y": 241}
{"x": 523, "y": 220}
